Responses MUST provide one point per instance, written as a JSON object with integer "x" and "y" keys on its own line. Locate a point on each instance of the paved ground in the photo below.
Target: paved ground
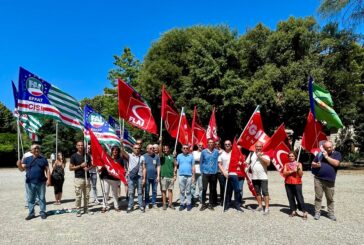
{"x": 174, "y": 227}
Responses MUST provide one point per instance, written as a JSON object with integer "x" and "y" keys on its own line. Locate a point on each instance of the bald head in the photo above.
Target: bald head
{"x": 328, "y": 146}
{"x": 258, "y": 147}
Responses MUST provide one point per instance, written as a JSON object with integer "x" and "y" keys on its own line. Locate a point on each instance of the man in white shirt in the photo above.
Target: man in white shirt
{"x": 258, "y": 163}
{"x": 233, "y": 182}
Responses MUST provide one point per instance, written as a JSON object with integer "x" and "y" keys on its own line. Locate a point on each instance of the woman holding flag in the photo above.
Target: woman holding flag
{"x": 111, "y": 181}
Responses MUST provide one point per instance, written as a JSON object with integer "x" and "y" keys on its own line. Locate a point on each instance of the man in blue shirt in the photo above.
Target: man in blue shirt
{"x": 209, "y": 166}
{"x": 37, "y": 176}
{"x": 186, "y": 164}
{"x": 152, "y": 165}
{"x": 324, "y": 168}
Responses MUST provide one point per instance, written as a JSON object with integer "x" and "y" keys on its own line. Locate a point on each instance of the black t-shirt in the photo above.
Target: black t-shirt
{"x": 77, "y": 159}
{"x": 105, "y": 174}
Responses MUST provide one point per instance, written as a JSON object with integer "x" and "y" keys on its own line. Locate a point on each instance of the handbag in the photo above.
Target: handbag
{"x": 134, "y": 172}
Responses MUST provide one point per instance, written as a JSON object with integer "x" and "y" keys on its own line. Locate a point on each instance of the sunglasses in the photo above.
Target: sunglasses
{"x": 36, "y": 148}
{"x": 185, "y": 148}
{"x": 136, "y": 148}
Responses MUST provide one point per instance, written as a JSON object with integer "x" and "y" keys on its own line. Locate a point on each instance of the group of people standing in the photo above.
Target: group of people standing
{"x": 197, "y": 171}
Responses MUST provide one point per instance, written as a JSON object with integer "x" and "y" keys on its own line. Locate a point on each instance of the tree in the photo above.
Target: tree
{"x": 212, "y": 65}
{"x": 351, "y": 12}
{"x": 7, "y": 122}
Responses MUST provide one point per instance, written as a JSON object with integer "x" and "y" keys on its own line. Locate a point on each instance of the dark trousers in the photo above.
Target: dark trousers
{"x": 233, "y": 187}
{"x": 211, "y": 181}
{"x": 222, "y": 181}
{"x": 294, "y": 192}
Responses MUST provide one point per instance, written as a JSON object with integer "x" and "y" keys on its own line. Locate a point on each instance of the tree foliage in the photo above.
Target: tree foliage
{"x": 351, "y": 12}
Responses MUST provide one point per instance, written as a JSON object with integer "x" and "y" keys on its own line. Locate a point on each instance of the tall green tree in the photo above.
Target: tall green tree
{"x": 349, "y": 12}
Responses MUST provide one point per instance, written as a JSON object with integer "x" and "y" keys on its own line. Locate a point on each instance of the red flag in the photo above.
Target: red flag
{"x": 169, "y": 113}
{"x": 101, "y": 158}
{"x": 237, "y": 161}
{"x": 199, "y": 133}
{"x": 280, "y": 156}
{"x": 278, "y": 137}
{"x": 133, "y": 109}
{"x": 211, "y": 132}
{"x": 250, "y": 185}
{"x": 313, "y": 135}
{"x": 184, "y": 136}
{"x": 253, "y": 132}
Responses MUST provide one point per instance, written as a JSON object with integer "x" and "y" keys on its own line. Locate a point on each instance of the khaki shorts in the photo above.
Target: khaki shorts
{"x": 167, "y": 183}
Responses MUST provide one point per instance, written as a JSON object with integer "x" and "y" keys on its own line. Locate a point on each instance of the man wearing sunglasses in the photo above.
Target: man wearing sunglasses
{"x": 37, "y": 177}
{"x": 135, "y": 176}
{"x": 186, "y": 176}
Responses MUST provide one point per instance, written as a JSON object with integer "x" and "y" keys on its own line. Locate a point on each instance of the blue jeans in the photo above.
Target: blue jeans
{"x": 93, "y": 179}
{"x": 185, "y": 189}
{"x": 135, "y": 183}
{"x": 234, "y": 185}
{"x": 198, "y": 182}
{"x": 34, "y": 191}
{"x": 154, "y": 184}
{"x": 241, "y": 183}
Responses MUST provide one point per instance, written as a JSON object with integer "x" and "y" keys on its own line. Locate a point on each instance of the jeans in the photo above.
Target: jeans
{"x": 233, "y": 186}
{"x": 211, "y": 181}
{"x": 295, "y": 192}
{"x": 154, "y": 184}
{"x": 185, "y": 189}
{"x": 241, "y": 183}
{"x": 36, "y": 190}
{"x": 132, "y": 184}
{"x": 328, "y": 187}
{"x": 222, "y": 181}
{"x": 93, "y": 179}
{"x": 198, "y": 182}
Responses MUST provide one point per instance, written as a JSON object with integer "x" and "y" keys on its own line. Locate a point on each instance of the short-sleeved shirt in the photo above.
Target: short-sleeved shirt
{"x": 326, "y": 171}
{"x": 197, "y": 156}
{"x": 105, "y": 174}
{"x": 185, "y": 163}
{"x": 208, "y": 161}
{"x": 167, "y": 166}
{"x": 224, "y": 157}
{"x": 259, "y": 170}
{"x": 35, "y": 168}
{"x": 151, "y": 163}
{"x": 134, "y": 160}
{"x": 78, "y": 159}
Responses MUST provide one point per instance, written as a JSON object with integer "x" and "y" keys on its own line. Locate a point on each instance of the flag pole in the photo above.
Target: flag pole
{"x": 179, "y": 125}
{"x": 299, "y": 153}
{"x": 18, "y": 132}
{"x": 86, "y": 180}
{"x": 226, "y": 183}
{"x": 248, "y": 122}
{"x": 193, "y": 128}
{"x": 21, "y": 142}
{"x": 56, "y": 139}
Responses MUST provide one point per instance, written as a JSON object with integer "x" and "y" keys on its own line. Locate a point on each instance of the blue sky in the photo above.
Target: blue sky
{"x": 71, "y": 43}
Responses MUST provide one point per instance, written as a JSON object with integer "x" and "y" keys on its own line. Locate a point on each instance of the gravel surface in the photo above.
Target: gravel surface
{"x": 175, "y": 227}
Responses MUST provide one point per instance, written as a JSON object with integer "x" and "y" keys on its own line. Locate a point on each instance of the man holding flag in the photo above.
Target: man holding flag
{"x": 324, "y": 168}
{"x": 80, "y": 163}
{"x": 258, "y": 164}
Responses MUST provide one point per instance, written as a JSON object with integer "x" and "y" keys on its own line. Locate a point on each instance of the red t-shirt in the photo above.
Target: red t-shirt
{"x": 295, "y": 178}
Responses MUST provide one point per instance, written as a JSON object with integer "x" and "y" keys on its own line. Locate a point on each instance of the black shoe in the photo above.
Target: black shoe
{"x": 30, "y": 216}
{"x": 211, "y": 207}
{"x": 43, "y": 215}
{"x": 239, "y": 209}
{"x": 142, "y": 209}
{"x": 129, "y": 210}
{"x": 182, "y": 207}
{"x": 203, "y": 207}
{"x": 226, "y": 209}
